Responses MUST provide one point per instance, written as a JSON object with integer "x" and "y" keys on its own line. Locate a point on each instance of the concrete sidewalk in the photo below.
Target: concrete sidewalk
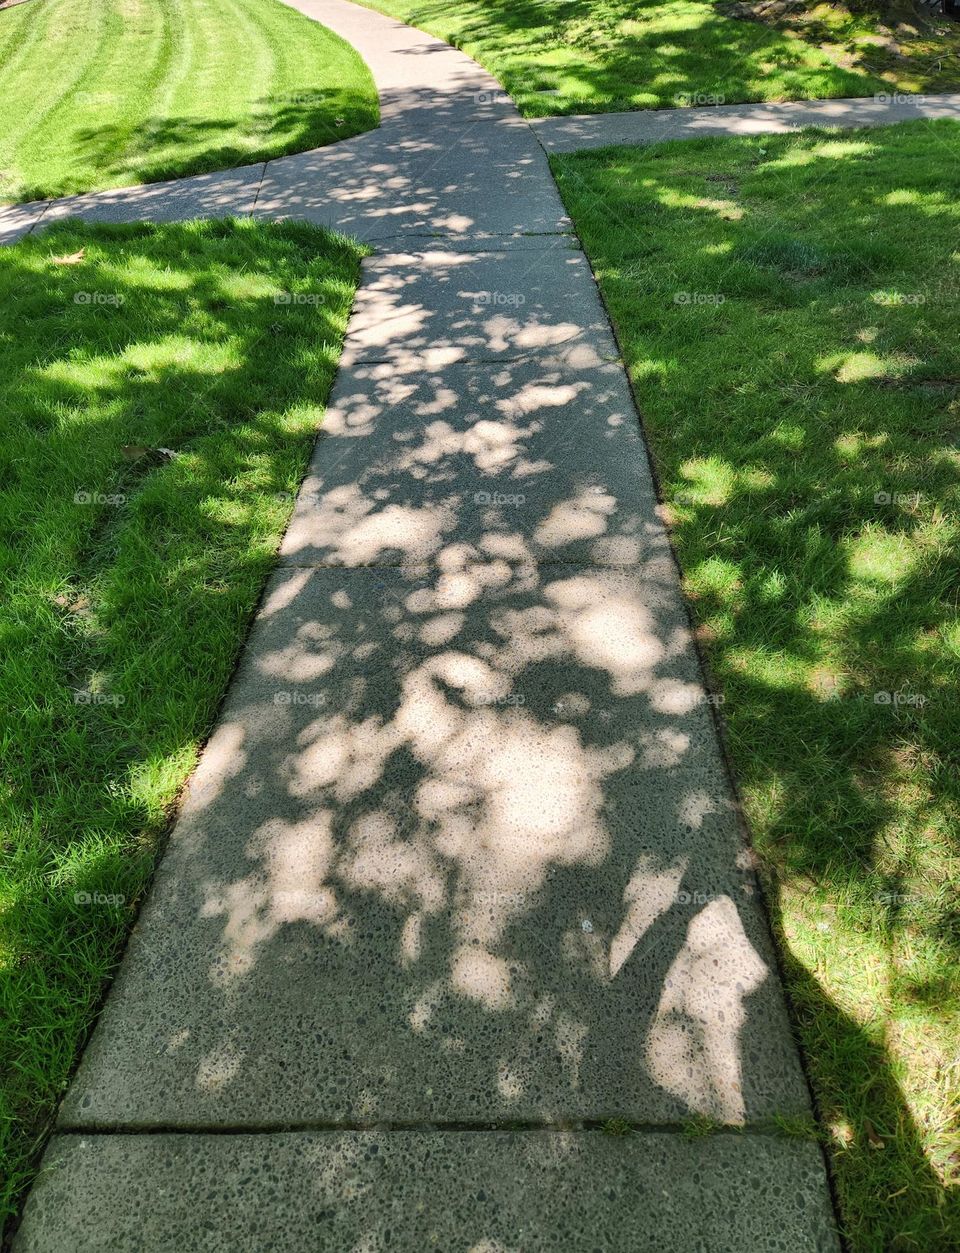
{"x": 658, "y": 126}
{"x": 460, "y": 876}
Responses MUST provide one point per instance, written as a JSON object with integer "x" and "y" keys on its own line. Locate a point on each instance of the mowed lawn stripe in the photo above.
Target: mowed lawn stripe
{"x": 120, "y": 85}
{"x": 105, "y": 93}
{"x": 243, "y": 40}
{"x": 74, "y": 45}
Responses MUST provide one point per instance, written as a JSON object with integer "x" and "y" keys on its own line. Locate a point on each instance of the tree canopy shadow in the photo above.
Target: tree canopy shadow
{"x": 803, "y": 421}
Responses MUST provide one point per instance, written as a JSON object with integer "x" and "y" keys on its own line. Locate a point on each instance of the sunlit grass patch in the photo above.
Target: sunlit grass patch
{"x": 806, "y": 434}
{"x": 157, "y": 409}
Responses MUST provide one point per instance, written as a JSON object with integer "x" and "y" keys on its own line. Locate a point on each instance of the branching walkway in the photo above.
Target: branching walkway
{"x": 460, "y": 877}
{"x": 366, "y": 186}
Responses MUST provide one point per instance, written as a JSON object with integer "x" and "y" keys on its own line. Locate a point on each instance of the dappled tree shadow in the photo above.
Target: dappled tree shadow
{"x": 176, "y": 357}
{"x": 169, "y": 147}
{"x": 911, "y": 46}
{"x": 461, "y": 849}
{"x": 811, "y": 484}
{"x": 612, "y": 56}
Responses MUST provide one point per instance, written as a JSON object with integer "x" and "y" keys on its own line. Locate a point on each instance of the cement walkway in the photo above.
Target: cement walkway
{"x": 657, "y": 126}
{"x": 460, "y": 876}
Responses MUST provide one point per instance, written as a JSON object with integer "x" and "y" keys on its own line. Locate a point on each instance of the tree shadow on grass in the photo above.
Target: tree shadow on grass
{"x": 806, "y": 447}
{"x": 604, "y": 59}
{"x": 461, "y": 848}
{"x": 908, "y": 44}
{"x": 130, "y": 575}
{"x": 108, "y": 156}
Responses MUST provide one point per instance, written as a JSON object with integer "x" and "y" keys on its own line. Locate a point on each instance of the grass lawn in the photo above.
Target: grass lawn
{"x": 789, "y": 310}
{"x": 594, "y": 56}
{"x": 103, "y": 93}
{"x": 129, "y": 573}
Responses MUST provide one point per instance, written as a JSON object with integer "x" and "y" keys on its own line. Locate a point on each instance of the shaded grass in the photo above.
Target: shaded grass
{"x": 105, "y": 93}
{"x": 594, "y": 56}
{"x": 789, "y": 309}
{"x": 907, "y": 45}
{"x": 129, "y": 574}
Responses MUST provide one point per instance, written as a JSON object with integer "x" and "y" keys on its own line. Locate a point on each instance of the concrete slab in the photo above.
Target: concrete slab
{"x": 424, "y": 172}
{"x": 433, "y": 241}
{"x": 657, "y": 126}
{"x": 19, "y": 219}
{"x": 461, "y": 849}
{"x": 231, "y": 192}
{"x": 413, "y": 110}
{"x": 438, "y": 307}
{"x": 315, "y": 1191}
{"x": 549, "y": 462}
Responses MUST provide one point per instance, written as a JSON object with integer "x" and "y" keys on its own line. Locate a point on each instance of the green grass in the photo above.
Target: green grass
{"x": 907, "y": 45}
{"x": 595, "y": 56}
{"x": 104, "y": 93}
{"x": 789, "y": 309}
{"x": 129, "y": 575}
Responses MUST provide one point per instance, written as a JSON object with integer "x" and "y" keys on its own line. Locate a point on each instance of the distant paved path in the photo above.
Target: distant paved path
{"x": 460, "y": 876}
{"x": 657, "y": 126}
